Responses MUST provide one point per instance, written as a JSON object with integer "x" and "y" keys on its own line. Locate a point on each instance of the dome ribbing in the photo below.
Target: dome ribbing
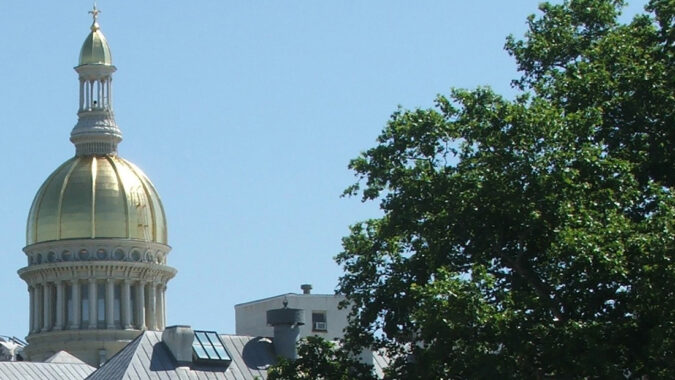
{"x": 90, "y": 197}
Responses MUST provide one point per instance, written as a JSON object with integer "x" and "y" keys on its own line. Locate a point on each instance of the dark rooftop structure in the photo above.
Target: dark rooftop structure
{"x": 178, "y": 353}
{"x": 148, "y": 357}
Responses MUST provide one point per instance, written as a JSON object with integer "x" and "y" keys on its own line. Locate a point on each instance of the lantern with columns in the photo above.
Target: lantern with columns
{"x": 96, "y": 239}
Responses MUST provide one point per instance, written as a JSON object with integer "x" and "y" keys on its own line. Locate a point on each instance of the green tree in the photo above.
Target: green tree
{"x": 320, "y": 359}
{"x": 533, "y": 237}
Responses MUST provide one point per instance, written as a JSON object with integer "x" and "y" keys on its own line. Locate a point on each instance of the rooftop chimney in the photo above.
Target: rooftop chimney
{"x": 178, "y": 339}
{"x": 286, "y": 324}
{"x": 306, "y": 288}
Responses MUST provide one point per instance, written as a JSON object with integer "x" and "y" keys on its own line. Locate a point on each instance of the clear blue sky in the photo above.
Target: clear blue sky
{"x": 244, "y": 114}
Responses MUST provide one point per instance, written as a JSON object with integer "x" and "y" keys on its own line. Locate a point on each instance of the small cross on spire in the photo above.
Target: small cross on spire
{"x": 94, "y": 12}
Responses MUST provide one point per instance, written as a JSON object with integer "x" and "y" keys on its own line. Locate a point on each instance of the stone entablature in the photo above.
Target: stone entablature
{"x": 129, "y": 271}
{"x": 87, "y": 250}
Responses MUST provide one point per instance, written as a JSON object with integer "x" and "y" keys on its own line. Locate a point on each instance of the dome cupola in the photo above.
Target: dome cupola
{"x": 95, "y": 49}
{"x": 96, "y": 131}
{"x": 96, "y": 236}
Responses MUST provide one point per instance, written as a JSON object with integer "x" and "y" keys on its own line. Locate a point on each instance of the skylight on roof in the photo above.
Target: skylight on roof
{"x": 209, "y": 348}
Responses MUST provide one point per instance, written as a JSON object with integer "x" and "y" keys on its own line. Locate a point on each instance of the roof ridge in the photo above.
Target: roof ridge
{"x": 26, "y": 362}
{"x": 63, "y": 357}
{"x": 121, "y": 359}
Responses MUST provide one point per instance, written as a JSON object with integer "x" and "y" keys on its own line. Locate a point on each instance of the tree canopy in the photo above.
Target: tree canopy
{"x": 530, "y": 237}
{"x": 320, "y": 359}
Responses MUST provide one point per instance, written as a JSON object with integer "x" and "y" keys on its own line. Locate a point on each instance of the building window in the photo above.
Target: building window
{"x": 319, "y": 321}
{"x": 207, "y": 347}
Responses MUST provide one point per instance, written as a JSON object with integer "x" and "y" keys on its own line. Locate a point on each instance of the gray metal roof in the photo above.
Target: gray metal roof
{"x": 146, "y": 357}
{"x": 42, "y": 371}
{"x": 63, "y": 357}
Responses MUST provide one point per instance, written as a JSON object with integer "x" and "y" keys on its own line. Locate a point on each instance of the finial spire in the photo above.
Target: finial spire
{"x": 96, "y": 132}
{"x": 94, "y": 13}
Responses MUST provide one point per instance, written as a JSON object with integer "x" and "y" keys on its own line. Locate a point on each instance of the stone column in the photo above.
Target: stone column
{"x": 37, "y": 306}
{"x": 110, "y": 90}
{"x": 93, "y": 304}
{"x": 109, "y": 303}
{"x": 164, "y": 305}
{"x": 126, "y": 305}
{"x": 100, "y": 93}
{"x": 109, "y": 99}
{"x": 31, "y": 308}
{"x": 60, "y": 302}
{"x": 86, "y": 95}
{"x": 91, "y": 94}
{"x": 140, "y": 306}
{"x": 77, "y": 302}
{"x": 81, "y": 94}
{"x": 160, "y": 307}
{"x": 151, "y": 317}
{"x": 46, "y": 307}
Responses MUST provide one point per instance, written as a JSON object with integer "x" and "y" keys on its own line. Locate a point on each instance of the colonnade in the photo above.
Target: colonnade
{"x": 96, "y": 94}
{"x": 97, "y": 304}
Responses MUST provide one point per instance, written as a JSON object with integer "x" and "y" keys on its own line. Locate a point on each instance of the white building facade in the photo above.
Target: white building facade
{"x": 322, "y": 316}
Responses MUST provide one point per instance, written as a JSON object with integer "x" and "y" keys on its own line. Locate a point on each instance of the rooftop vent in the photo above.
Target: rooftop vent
{"x": 178, "y": 339}
{"x": 286, "y": 323}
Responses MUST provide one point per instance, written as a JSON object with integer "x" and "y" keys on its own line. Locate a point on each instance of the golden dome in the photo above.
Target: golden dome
{"x": 91, "y": 197}
{"x": 95, "y": 49}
